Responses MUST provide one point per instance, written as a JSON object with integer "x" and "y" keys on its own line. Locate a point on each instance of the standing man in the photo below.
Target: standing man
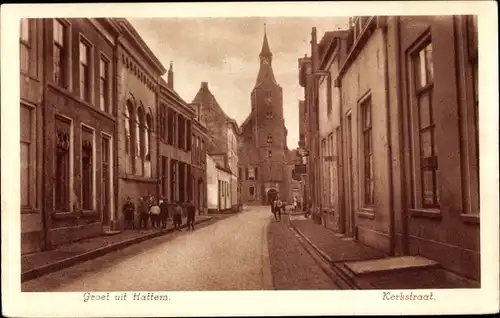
{"x": 278, "y": 205}
{"x": 154, "y": 211}
{"x": 143, "y": 212}
{"x": 191, "y": 212}
{"x": 177, "y": 216}
{"x": 128, "y": 211}
{"x": 164, "y": 213}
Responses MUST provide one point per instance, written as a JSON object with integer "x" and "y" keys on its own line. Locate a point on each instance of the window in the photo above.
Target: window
{"x": 24, "y": 49}
{"x": 269, "y": 115}
{"x": 426, "y": 152}
{"x": 180, "y": 132}
{"x": 163, "y": 121}
{"x": 171, "y": 126}
{"x": 147, "y": 145}
{"x": 252, "y": 191}
{"x": 256, "y": 173}
{"x": 203, "y": 152}
{"x": 62, "y": 164}
{"x": 84, "y": 70}
{"x": 269, "y": 139}
{"x": 366, "y": 121}
{"x": 188, "y": 135}
{"x": 269, "y": 153}
{"x": 129, "y": 124}
{"x": 173, "y": 180}
{"x": 240, "y": 173}
{"x": 139, "y": 140}
{"x": 104, "y": 85}
{"x": 164, "y": 176}
{"x": 28, "y": 158}
{"x": 87, "y": 156}
{"x": 268, "y": 93}
{"x": 251, "y": 174}
{"x": 60, "y": 53}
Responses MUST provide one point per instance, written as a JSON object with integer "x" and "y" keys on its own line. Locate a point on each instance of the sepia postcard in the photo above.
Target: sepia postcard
{"x": 241, "y": 159}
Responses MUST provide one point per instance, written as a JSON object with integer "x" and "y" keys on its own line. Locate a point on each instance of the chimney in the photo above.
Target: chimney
{"x": 314, "y": 49}
{"x": 170, "y": 82}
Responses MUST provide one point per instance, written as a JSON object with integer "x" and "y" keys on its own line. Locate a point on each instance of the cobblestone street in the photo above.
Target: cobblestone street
{"x": 248, "y": 251}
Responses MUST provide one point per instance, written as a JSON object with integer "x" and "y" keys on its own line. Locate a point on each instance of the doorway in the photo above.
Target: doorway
{"x": 106, "y": 180}
{"x": 271, "y": 195}
{"x": 200, "y": 195}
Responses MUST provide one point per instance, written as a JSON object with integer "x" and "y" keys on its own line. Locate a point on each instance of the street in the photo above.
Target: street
{"x": 247, "y": 251}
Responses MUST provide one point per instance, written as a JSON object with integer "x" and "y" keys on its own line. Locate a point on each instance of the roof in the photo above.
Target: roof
{"x": 265, "y": 51}
{"x": 205, "y": 97}
{"x": 265, "y": 70}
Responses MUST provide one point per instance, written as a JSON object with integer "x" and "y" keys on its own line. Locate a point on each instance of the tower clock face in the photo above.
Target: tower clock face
{"x": 265, "y": 61}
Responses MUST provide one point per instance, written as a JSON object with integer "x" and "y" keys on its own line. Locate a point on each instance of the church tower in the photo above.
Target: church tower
{"x": 263, "y": 145}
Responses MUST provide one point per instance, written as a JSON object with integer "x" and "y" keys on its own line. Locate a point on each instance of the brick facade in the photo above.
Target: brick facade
{"x": 138, "y": 77}
{"x": 393, "y": 136}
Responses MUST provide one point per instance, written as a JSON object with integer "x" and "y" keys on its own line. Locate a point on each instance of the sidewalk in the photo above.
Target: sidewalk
{"x": 362, "y": 267}
{"x": 37, "y": 264}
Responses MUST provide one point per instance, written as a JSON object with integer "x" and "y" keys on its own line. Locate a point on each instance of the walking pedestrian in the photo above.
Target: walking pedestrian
{"x": 143, "y": 212}
{"x": 164, "y": 213}
{"x": 177, "y": 216}
{"x": 191, "y": 213}
{"x": 128, "y": 211}
{"x": 278, "y": 206}
{"x": 154, "y": 212}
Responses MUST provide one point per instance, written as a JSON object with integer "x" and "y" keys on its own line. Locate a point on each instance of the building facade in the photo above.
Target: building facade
{"x": 263, "y": 153}
{"x": 398, "y": 132}
{"x": 31, "y": 48}
{"x": 223, "y": 133}
{"x": 138, "y": 86}
{"x": 199, "y": 162}
{"x": 69, "y": 151}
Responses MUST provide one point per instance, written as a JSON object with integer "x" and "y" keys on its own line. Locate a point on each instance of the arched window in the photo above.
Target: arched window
{"x": 139, "y": 142}
{"x": 269, "y": 139}
{"x": 147, "y": 137}
{"x": 129, "y": 125}
{"x": 147, "y": 145}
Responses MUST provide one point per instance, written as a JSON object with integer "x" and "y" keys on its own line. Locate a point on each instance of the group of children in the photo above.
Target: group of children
{"x": 158, "y": 212}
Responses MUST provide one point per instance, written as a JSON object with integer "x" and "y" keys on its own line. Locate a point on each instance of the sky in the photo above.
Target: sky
{"x": 225, "y": 53}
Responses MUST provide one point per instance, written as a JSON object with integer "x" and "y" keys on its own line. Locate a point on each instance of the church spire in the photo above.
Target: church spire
{"x": 265, "y": 46}
{"x": 266, "y": 70}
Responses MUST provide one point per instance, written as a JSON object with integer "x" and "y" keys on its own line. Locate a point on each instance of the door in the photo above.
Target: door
{"x": 200, "y": 195}
{"x": 106, "y": 181}
{"x": 350, "y": 180}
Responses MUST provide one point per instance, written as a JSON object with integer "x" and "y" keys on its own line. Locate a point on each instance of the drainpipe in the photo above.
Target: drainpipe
{"x": 156, "y": 131}
{"x": 46, "y": 222}
{"x": 116, "y": 169}
{"x": 399, "y": 94}
{"x": 389, "y": 143}
{"x": 340, "y": 158}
